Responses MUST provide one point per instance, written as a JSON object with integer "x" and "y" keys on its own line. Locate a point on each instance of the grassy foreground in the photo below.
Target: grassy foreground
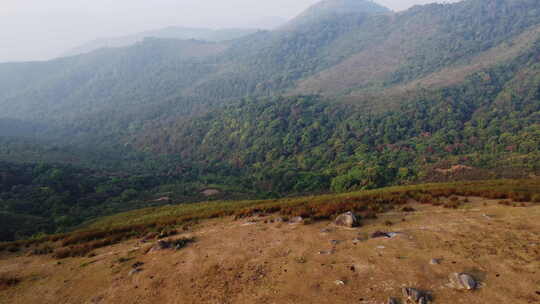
{"x": 113, "y": 229}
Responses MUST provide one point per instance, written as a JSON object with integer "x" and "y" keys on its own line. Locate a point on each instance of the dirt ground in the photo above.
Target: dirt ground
{"x": 250, "y": 261}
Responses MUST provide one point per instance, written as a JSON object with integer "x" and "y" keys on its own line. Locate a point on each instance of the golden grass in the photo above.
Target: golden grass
{"x": 113, "y": 229}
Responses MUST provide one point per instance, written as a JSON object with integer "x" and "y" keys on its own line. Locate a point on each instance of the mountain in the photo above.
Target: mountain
{"x": 353, "y": 97}
{"x": 336, "y": 8}
{"x": 351, "y": 55}
{"x": 181, "y": 33}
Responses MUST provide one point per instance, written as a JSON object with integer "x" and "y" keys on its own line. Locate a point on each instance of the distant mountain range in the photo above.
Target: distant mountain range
{"x": 182, "y": 33}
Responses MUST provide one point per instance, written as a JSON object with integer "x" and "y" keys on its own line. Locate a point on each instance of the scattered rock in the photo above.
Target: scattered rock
{"x": 326, "y": 252}
{"x": 97, "y": 299}
{"x": 339, "y": 282}
{"x": 462, "y": 281}
{"x": 176, "y": 244}
{"x": 379, "y": 234}
{"x": 435, "y": 261}
{"x": 135, "y": 271}
{"x": 334, "y": 242}
{"x": 348, "y": 219}
{"x": 392, "y": 301}
{"x": 387, "y": 235}
{"x": 149, "y": 237}
{"x": 296, "y": 220}
{"x": 162, "y": 245}
{"x": 415, "y": 296}
{"x": 277, "y": 220}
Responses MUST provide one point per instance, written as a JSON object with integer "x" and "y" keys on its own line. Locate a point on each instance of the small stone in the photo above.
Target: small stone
{"x": 392, "y": 301}
{"x": 348, "y": 219}
{"x": 296, "y": 220}
{"x": 462, "y": 281}
{"x": 339, "y": 282}
{"x": 334, "y": 242}
{"x": 379, "y": 234}
{"x": 413, "y": 295}
{"x": 435, "y": 262}
{"x": 135, "y": 271}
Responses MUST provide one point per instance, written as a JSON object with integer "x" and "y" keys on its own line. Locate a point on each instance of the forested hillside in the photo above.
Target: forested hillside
{"x": 347, "y": 96}
{"x": 491, "y": 121}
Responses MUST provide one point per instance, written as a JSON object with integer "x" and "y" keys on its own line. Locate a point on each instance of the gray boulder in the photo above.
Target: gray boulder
{"x": 348, "y": 219}
{"x": 462, "y": 281}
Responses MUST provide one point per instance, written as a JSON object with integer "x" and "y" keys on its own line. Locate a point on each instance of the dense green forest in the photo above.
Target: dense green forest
{"x": 347, "y": 96}
{"x": 492, "y": 120}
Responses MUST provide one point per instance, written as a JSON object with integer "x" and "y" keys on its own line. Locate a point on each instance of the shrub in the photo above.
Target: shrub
{"x": 7, "y": 281}
{"x": 452, "y": 204}
{"x": 505, "y": 203}
{"x": 408, "y": 209}
{"x": 43, "y": 250}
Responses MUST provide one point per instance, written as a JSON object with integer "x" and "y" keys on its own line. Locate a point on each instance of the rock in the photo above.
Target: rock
{"x": 149, "y": 237}
{"x": 348, "y": 219}
{"x": 339, "y": 282}
{"x": 435, "y": 262}
{"x": 334, "y": 242}
{"x": 278, "y": 219}
{"x": 462, "y": 281}
{"x": 415, "y": 296}
{"x": 327, "y": 252}
{"x": 135, "y": 271}
{"x": 97, "y": 299}
{"x": 162, "y": 245}
{"x": 296, "y": 220}
{"x": 380, "y": 234}
{"x": 392, "y": 301}
{"x": 137, "y": 265}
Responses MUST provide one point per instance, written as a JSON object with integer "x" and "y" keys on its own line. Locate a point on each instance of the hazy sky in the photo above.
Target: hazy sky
{"x": 42, "y": 29}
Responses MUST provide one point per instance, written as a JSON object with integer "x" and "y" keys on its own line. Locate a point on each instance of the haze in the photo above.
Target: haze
{"x": 40, "y": 30}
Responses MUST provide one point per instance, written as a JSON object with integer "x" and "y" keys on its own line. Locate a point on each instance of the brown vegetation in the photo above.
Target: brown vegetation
{"x": 368, "y": 205}
{"x": 7, "y": 281}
